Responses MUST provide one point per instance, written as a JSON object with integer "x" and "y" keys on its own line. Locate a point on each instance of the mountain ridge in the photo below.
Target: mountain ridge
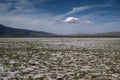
{"x": 104, "y": 34}
{"x": 9, "y": 31}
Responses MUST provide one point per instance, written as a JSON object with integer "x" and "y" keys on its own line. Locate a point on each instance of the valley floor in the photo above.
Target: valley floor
{"x": 59, "y": 58}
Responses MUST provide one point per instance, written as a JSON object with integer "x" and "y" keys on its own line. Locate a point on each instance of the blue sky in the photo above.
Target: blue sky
{"x": 62, "y": 16}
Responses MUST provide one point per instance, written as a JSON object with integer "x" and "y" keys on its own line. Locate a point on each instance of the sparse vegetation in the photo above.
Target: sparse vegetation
{"x": 59, "y": 58}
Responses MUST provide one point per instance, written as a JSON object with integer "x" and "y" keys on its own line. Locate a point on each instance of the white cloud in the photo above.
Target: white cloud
{"x": 82, "y": 8}
{"x": 78, "y": 9}
{"x": 74, "y": 10}
{"x": 19, "y": 6}
{"x": 77, "y": 20}
{"x": 72, "y": 20}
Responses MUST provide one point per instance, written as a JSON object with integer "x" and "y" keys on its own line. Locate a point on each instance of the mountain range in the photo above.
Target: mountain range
{"x": 9, "y": 31}
{"x": 105, "y": 34}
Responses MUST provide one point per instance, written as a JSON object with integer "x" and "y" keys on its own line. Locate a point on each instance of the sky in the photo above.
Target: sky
{"x": 62, "y": 16}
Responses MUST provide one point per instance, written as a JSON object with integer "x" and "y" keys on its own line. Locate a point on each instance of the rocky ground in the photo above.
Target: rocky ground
{"x": 59, "y": 58}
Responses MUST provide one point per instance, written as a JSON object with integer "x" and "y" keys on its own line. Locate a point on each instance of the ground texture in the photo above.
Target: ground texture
{"x": 59, "y": 58}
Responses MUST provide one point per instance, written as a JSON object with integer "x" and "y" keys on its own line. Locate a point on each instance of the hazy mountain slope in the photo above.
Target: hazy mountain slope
{"x": 8, "y": 31}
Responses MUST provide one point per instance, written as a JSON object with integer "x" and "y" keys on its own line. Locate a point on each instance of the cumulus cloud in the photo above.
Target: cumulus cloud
{"x": 72, "y": 20}
{"x": 77, "y": 20}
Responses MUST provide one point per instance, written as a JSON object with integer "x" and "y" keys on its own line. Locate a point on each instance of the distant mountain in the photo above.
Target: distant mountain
{"x": 79, "y": 34}
{"x": 107, "y": 34}
{"x": 116, "y": 34}
{"x": 8, "y": 31}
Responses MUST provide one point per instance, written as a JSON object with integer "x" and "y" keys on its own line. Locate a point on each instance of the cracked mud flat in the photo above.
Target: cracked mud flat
{"x": 59, "y": 58}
